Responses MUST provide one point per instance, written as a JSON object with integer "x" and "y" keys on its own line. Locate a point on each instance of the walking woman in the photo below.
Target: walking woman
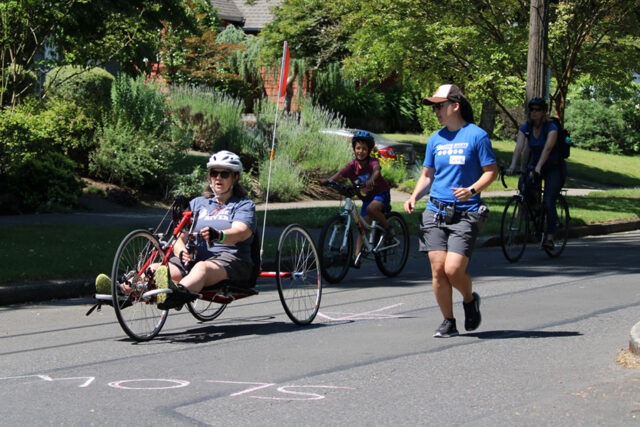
{"x": 459, "y": 163}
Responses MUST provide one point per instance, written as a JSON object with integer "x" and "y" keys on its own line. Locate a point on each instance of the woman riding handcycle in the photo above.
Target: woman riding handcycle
{"x": 212, "y": 256}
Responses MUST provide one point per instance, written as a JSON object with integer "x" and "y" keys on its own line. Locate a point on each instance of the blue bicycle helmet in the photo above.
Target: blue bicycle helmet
{"x": 363, "y": 136}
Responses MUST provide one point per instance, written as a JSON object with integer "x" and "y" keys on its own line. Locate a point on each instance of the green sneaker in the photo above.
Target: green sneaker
{"x": 103, "y": 284}
{"x": 179, "y": 295}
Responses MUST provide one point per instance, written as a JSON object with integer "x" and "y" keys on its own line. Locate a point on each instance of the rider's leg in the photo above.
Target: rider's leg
{"x": 553, "y": 183}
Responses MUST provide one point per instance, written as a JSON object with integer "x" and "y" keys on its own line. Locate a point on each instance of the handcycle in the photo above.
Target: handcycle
{"x": 134, "y": 291}
{"x": 336, "y": 244}
{"x": 523, "y": 222}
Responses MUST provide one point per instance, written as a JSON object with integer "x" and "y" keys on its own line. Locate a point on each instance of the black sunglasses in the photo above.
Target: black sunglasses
{"x": 221, "y": 174}
{"x": 438, "y": 107}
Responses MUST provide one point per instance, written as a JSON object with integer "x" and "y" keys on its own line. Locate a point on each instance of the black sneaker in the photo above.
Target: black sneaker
{"x": 472, "y": 316}
{"x": 447, "y": 329}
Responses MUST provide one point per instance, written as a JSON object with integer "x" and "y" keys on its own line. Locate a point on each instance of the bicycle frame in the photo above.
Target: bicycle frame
{"x": 366, "y": 231}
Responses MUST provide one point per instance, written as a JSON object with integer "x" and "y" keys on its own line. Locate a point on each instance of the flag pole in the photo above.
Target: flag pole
{"x": 284, "y": 71}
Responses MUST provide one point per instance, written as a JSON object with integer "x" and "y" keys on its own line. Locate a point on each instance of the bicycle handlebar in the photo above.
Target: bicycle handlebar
{"x": 345, "y": 190}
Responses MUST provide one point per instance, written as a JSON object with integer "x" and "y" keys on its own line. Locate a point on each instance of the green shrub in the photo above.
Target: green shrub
{"x": 596, "y": 126}
{"x": 298, "y": 136}
{"x": 89, "y": 89}
{"x": 212, "y": 117}
{"x": 138, "y": 146}
{"x": 43, "y": 183}
{"x": 18, "y": 85}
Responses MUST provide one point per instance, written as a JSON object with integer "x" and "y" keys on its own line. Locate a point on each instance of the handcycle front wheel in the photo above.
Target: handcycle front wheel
{"x": 131, "y": 277}
{"x": 298, "y": 275}
{"x": 514, "y": 229}
{"x": 391, "y": 261}
{"x": 562, "y": 228}
{"x": 336, "y": 249}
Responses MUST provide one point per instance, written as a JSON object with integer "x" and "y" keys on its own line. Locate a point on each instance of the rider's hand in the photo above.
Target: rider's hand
{"x": 185, "y": 257}
{"x": 409, "y": 205}
{"x": 210, "y": 234}
{"x": 509, "y": 171}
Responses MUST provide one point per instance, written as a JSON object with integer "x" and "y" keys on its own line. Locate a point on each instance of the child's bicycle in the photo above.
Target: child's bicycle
{"x": 134, "y": 292}
{"x": 336, "y": 244}
{"x": 524, "y": 222}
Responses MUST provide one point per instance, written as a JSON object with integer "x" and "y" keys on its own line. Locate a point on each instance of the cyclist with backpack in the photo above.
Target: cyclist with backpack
{"x": 541, "y": 149}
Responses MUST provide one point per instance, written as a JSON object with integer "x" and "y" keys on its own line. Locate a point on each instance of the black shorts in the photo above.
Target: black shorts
{"x": 238, "y": 271}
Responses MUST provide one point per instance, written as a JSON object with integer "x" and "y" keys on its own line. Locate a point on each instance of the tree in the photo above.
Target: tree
{"x": 83, "y": 32}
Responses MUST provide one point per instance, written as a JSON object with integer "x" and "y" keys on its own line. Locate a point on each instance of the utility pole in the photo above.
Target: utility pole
{"x": 536, "y": 59}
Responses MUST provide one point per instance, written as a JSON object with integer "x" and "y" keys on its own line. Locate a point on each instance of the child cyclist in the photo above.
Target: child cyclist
{"x": 376, "y": 199}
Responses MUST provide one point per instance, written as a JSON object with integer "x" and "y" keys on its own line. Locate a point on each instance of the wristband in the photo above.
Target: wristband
{"x": 222, "y": 236}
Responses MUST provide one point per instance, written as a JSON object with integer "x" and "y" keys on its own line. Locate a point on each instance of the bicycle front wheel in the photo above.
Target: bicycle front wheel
{"x": 336, "y": 249}
{"x": 298, "y": 275}
{"x": 131, "y": 277}
{"x": 514, "y": 229}
{"x": 391, "y": 261}
{"x": 562, "y": 228}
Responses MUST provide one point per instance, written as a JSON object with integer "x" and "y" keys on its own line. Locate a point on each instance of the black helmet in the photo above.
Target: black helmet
{"x": 539, "y": 101}
{"x": 363, "y": 136}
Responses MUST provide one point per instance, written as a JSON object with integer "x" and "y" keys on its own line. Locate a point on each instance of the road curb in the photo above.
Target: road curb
{"x": 634, "y": 339}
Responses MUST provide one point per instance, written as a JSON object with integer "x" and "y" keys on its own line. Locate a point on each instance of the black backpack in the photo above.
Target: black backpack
{"x": 563, "y": 142}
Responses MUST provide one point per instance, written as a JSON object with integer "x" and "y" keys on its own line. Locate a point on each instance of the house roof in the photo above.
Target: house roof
{"x": 252, "y": 17}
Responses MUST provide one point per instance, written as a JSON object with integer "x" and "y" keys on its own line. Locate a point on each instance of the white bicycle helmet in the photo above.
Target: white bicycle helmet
{"x": 225, "y": 160}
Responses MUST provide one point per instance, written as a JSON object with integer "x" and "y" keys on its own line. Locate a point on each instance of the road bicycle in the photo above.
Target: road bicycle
{"x": 134, "y": 291}
{"x": 336, "y": 244}
{"x": 524, "y": 222}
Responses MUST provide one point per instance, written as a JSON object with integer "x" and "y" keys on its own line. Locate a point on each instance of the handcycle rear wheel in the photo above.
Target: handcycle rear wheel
{"x": 335, "y": 257}
{"x": 298, "y": 275}
{"x": 204, "y": 310}
{"x": 514, "y": 229}
{"x": 562, "y": 228}
{"x": 391, "y": 261}
{"x": 131, "y": 277}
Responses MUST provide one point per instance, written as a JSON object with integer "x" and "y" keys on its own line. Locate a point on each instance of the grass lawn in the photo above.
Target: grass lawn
{"x": 37, "y": 252}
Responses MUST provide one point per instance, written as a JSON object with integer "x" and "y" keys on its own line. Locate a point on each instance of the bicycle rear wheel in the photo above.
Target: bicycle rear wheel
{"x": 298, "y": 275}
{"x": 204, "y": 310}
{"x": 562, "y": 228}
{"x": 336, "y": 249}
{"x": 131, "y": 277}
{"x": 391, "y": 261}
{"x": 514, "y": 229}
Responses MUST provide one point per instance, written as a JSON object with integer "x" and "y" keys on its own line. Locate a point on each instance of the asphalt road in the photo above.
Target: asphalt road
{"x": 544, "y": 354}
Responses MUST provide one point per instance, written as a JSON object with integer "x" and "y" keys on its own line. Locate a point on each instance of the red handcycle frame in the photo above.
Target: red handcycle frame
{"x": 133, "y": 290}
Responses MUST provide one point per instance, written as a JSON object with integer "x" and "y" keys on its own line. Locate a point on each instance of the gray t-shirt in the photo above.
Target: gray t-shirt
{"x": 210, "y": 213}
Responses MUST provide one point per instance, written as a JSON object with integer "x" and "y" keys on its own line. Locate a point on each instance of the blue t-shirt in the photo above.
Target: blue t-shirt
{"x": 210, "y": 213}
{"x": 536, "y": 145}
{"x": 457, "y": 159}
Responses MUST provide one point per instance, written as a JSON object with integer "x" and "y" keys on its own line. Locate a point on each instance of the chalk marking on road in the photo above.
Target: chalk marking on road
{"x": 87, "y": 380}
{"x": 367, "y": 315}
{"x": 285, "y": 389}
{"x": 176, "y": 384}
{"x": 249, "y": 390}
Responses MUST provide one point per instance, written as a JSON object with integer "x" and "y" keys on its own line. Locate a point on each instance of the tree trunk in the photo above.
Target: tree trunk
{"x": 536, "y": 59}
